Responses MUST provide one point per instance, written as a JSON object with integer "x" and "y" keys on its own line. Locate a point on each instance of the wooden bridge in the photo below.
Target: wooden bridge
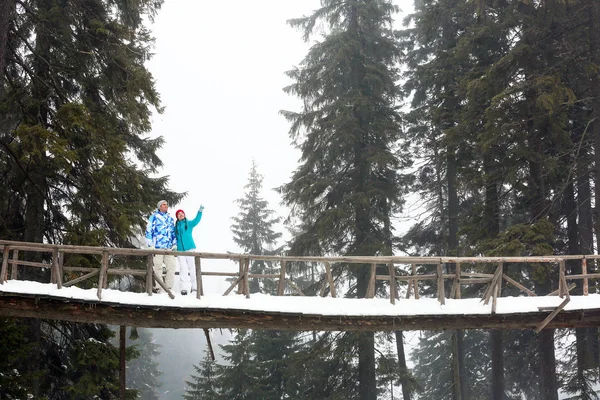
{"x": 460, "y": 282}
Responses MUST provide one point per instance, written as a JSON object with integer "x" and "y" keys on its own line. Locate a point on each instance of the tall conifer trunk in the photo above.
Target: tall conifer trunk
{"x": 6, "y": 7}
{"x": 545, "y": 342}
{"x": 492, "y": 223}
{"x": 458, "y": 352}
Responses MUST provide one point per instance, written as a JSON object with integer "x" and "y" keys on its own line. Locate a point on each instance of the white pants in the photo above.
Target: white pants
{"x": 169, "y": 262}
{"x": 187, "y": 273}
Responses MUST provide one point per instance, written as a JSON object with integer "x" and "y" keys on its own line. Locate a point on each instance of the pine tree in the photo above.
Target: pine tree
{"x": 347, "y": 187}
{"x": 253, "y": 228}
{"x": 238, "y": 378}
{"x": 203, "y": 385}
{"x": 15, "y": 381}
{"x": 76, "y": 157}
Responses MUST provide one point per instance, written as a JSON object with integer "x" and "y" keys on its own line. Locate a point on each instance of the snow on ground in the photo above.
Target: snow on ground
{"x": 309, "y": 305}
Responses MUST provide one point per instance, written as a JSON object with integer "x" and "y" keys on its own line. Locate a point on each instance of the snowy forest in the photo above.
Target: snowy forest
{"x": 485, "y": 113}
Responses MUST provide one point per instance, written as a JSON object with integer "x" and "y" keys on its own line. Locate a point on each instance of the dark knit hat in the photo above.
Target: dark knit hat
{"x": 178, "y": 211}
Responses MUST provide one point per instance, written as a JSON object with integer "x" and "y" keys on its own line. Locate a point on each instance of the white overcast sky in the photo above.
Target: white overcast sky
{"x": 219, "y": 68}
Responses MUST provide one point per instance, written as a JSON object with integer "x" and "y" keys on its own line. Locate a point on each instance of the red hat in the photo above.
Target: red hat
{"x": 178, "y": 211}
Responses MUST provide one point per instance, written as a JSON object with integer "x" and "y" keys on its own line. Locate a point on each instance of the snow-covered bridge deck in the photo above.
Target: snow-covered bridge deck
{"x": 291, "y": 309}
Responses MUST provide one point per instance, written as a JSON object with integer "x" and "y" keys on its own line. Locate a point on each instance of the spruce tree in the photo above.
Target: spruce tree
{"x": 204, "y": 384}
{"x": 347, "y": 187}
{"x": 253, "y": 228}
{"x": 76, "y": 156}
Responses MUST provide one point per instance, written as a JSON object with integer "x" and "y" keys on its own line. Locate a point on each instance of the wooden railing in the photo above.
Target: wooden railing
{"x": 56, "y": 254}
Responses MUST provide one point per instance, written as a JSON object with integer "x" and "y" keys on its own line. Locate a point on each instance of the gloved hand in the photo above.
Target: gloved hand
{"x": 201, "y": 208}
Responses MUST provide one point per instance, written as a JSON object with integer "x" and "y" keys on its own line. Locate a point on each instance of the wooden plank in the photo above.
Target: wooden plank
{"x": 80, "y": 269}
{"x": 82, "y": 278}
{"x": 414, "y": 278}
{"x": 489, "y": 292}
{"x": 263, "y": 275}
{"x": 29, "y": 263}
{"x": 475, "y": 281}
{"x": 553, "y": 314}
{"x": 236, "y": 282}
{"x": 372, "y": 278}
{"x": 295, "y": 287}
{"x": 214, "y": 273}
{"x": 152, "y": 316}
{"x": 4, "y": 271}
{"x": 583, "y": 276}
{"x": 569, "y": 288}
{"x": 162, "y": 284}
{"x": 476, "y": 275}
{"x": 518, "y": 285}
{"x": 126, "y": 271}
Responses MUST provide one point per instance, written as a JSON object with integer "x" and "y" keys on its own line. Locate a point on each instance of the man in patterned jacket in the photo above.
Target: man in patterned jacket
{"x": 160, "y": 234}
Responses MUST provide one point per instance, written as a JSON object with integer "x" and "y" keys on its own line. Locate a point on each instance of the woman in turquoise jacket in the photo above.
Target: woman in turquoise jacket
{"x": 185, "y": 242}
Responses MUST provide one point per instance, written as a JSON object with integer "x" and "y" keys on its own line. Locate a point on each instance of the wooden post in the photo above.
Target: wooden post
{"x": 209, "y": 344}
{"x": 330, "y": 280}
{"x": 240, "y": 288}
{"x": 54, "y": 268}
{"x": 122, "y": 365}
{"x": 496, "y": 286}
{"x": 562, "y": 288}
{"x": 14, "y": 272}
{"x": 416, "y": 281}
{"x": 372, "y": 277}
{"x": 149, "y": 273}
{"x": 199, "y": 288}
{"x": 59, "y": 269}
{"x": 103, "y": 275}
{"x": 4, "y": 271}
{"x": 246, "y": 281}
{"x": 585, "y": 280}
{"x": 457, "y": 293}
{"x": 393, "y": 289}
{"x": 281, "y": 284}
{"x": 409, "y": 287}
{"x": 440, "y": 281}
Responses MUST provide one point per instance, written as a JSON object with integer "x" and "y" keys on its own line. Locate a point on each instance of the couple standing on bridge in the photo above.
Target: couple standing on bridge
{"x": 164, "y": 233}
